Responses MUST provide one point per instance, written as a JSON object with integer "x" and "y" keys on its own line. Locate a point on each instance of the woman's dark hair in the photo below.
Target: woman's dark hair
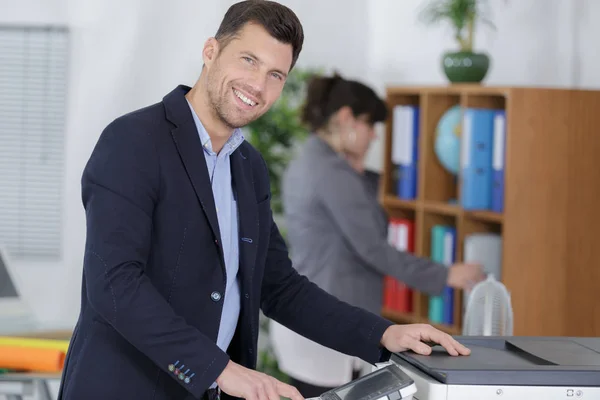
{"x": 326, "y": 95}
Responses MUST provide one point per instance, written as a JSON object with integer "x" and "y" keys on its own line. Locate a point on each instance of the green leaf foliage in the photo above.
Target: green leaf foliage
{"x": 461, "y": 15}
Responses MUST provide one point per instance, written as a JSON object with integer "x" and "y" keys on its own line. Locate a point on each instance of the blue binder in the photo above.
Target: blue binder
{"x": 499, "y": 151}
{"x": 476, "y": 159}
{"x": 408, "y": 166}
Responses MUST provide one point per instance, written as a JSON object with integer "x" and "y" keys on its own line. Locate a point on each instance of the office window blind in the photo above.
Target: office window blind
{"x": 33, "y": 90}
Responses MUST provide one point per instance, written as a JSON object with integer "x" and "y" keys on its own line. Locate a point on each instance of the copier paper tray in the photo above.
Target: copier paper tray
{"x": 514, "y": 360}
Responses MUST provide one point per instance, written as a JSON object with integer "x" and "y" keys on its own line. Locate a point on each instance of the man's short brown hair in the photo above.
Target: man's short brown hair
{"x": 277, "y": 19}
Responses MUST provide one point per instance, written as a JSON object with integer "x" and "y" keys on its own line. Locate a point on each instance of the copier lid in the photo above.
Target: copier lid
{"x": 522, "y": 361}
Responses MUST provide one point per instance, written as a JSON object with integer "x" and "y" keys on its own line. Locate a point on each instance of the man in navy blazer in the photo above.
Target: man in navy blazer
{"x": 182, "y": 251}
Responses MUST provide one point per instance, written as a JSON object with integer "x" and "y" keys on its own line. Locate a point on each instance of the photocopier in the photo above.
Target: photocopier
{"x": 500, "y": 368}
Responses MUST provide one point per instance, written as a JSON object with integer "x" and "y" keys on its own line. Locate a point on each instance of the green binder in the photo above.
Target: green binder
{"x": 436, "y": 303}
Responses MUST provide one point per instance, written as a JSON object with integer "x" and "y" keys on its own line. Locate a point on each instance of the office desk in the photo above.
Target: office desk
{"x": 35, "y": 386}
{"x": 27, "y": 385}
{"x": 42, "y": 333}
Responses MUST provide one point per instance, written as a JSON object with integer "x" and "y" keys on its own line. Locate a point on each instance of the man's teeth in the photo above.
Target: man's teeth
{"x": 244, "y": 98}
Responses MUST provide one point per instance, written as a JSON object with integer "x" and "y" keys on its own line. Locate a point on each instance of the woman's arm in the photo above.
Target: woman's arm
{"x": 352, "y": 210}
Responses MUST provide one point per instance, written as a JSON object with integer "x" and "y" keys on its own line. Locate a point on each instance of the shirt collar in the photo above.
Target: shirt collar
{"x": 234, "y": 141}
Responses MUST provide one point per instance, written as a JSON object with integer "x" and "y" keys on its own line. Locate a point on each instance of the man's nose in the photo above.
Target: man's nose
{"x": 257, "y": 83}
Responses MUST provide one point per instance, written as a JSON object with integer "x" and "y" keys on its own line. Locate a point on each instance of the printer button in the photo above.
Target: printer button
{"x": 394, "y": 396}
{"x": 569, "y": 392}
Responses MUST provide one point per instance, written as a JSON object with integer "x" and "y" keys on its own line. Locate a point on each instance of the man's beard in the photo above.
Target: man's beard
{"x": 219, "y": 107}
{"x": 224, "y": 109}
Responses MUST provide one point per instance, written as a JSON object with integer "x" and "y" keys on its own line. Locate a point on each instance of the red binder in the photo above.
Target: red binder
{"x": 397, "y": 296}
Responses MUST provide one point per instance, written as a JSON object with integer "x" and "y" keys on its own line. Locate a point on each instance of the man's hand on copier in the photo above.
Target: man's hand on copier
{"x": 419, "y": 338}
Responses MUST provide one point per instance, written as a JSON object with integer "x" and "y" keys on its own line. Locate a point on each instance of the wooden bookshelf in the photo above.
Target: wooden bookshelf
{"x": 550, "y": 255}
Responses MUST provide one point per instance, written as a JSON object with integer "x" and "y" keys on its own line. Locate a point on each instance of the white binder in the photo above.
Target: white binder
{"x": 486, "y": 249}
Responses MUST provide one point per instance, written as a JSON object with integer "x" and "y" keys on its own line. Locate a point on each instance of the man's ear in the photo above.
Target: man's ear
{"x": 210, "y": 51}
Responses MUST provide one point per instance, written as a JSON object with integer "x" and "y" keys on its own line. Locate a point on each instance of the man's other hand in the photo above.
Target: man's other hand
{"x": 415, "y": 337}
{"x": 238, "y": 381}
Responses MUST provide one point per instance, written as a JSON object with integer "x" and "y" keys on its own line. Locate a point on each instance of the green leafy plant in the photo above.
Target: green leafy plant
{"x": 462, "y": 16}
{"x": 279, "y": 130}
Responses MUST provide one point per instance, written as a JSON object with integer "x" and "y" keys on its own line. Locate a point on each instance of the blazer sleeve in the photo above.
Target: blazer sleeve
{"x": 351, "y": 209}
{"x": 120, "y": 188}
{"x": 292, "y": 300}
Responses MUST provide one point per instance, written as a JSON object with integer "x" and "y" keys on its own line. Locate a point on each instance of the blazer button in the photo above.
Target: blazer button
{"x": 215, "y": 296}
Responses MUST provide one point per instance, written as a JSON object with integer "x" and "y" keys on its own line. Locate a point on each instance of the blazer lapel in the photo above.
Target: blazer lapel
{"x": 241, "y": 173}
{"x": 187, "y": 141}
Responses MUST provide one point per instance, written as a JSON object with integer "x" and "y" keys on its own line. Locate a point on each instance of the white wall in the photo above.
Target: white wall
{"x": 129, "y": 53}
{"x": 334, "y": 36}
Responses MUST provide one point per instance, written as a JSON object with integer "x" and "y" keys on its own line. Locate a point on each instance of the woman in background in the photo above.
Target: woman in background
{"x": 337, "y": 231}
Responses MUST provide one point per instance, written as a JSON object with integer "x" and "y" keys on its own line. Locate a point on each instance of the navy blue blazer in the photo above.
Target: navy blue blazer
{"x": 154, "y": 274}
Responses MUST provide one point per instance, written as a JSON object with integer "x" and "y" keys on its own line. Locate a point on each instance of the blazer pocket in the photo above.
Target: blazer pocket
{"x": 264, "y": 199}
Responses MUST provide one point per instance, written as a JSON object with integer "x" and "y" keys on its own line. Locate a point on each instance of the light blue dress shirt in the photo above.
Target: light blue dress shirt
{"x": 219, "y": 170}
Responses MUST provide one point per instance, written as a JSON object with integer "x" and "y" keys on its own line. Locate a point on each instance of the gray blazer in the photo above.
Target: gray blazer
{"x": 337, "y": 231}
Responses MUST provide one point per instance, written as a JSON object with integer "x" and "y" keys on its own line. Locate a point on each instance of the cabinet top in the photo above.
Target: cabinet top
{"x": 475, "y": 89}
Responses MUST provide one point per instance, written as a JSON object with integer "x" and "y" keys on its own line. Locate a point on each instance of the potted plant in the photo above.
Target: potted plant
{"x": 464, "y": 65}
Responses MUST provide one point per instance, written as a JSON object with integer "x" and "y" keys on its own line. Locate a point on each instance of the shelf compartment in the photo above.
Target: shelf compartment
{"x": 485, "y": 216}
{"x": 435, "y": 182}
{"x": 395, "y": 98}
{"x": 441, "y": 208}
{"x": 483, "y": 100}
{"x": 397, "y": 203}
